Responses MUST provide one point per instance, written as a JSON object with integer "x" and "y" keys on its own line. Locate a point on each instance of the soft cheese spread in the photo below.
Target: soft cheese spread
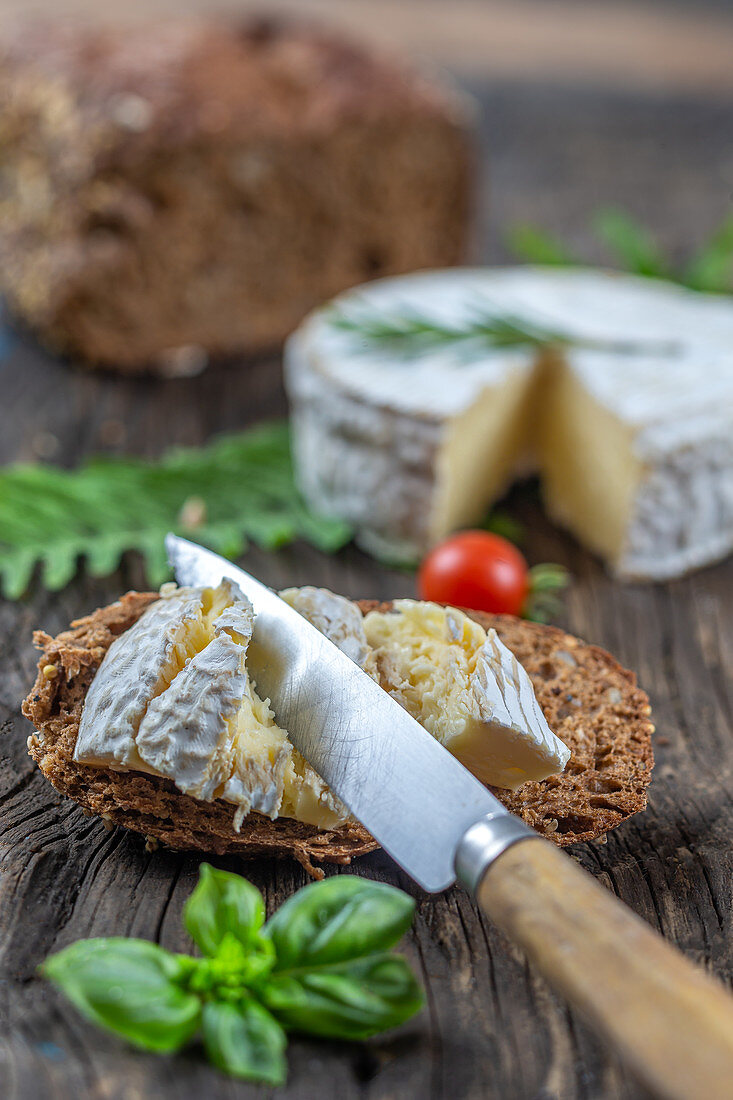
{"x": 467, "y": 689}
{"x": 173, "y": 698}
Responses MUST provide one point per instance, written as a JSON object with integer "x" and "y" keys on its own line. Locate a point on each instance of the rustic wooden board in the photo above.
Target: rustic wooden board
{"x": 491, "y": 1028}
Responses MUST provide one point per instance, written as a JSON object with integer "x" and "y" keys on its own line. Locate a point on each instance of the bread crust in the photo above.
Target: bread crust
{"x": 589, "y": 700}
{"x": 199, "y": 185}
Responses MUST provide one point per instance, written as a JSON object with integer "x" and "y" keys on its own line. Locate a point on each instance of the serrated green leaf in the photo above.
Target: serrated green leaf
{"x": 243, "y": 485}
{"x": 103, "y": 556}
{"x": 18, "y": 570}
{"x": 59, "y": 569}
{"x": 129, "y": 987}
{"x": 221, "y": 904}
{"x": 339, "y": 919}
{"x": 351, "y": 1001}
{"x": 245, "y": 1041}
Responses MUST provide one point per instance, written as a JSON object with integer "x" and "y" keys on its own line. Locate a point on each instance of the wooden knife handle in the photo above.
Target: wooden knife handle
{"x": 670, "y": 1020}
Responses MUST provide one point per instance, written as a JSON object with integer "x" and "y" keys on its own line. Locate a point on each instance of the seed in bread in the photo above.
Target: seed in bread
{"x": 185, "y": 189}
{"x": 588, "y": 699}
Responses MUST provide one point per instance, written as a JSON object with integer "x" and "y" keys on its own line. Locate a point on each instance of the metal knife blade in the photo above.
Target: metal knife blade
{"x": 411, "y": 794}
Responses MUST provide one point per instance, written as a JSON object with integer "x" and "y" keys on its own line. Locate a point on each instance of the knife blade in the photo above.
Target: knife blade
{"x": 666, "y": 1017}
{"x": 412, "y": 795}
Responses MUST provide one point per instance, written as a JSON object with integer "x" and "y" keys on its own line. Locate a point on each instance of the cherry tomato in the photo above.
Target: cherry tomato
{"x": 478, "y": 570}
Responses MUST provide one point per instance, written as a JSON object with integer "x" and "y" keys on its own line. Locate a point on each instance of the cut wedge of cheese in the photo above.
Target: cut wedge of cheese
{"x": 140, "y": 665}
{"x": 467, "y": 689}
{"x": 633, "y": 435}
{"x": 173, "y": 698}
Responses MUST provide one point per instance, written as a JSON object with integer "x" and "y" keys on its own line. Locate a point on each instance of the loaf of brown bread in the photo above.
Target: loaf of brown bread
{"x": 589, "y": 701}
{"x": 182, "y": 189}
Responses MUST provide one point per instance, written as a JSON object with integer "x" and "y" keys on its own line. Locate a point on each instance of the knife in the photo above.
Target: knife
{"x": 670, "y": 1021}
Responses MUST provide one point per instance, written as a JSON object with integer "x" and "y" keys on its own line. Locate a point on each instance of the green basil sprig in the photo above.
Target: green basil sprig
{"x": 321, "y": 965}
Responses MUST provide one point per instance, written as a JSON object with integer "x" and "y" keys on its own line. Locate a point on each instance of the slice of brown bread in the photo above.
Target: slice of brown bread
{"x": 591, "y": 702}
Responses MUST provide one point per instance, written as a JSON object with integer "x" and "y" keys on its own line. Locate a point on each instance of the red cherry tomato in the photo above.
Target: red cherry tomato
{"x": 478, "y": 570}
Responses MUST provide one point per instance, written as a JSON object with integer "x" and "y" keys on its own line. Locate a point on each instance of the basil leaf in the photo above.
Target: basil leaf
{"x": 245, "y": 1041}
{"x": 351, "y": 1001}
{"x": 128, "y": 987}
{"x": 342, "y": 918}
{"x": 222, "y": 903}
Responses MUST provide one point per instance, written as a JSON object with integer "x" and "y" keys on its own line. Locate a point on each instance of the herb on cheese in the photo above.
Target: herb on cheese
{"x": 321, "y": 965}
{"x": 411, "y": 333}
{"x": 235, "y": 489}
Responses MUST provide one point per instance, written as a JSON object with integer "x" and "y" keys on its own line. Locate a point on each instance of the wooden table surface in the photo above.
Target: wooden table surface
{"x": 491, "y": 1028}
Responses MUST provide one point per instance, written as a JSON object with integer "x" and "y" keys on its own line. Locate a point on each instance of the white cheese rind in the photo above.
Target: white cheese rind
{"x": 138, "y": 658}
{"x": 160, "y": 705}
{"x": 504, "y": 697}
{"x": 339, "y": 619}
{"x": 186, "y": 734}
{"x": 371, "y": 428}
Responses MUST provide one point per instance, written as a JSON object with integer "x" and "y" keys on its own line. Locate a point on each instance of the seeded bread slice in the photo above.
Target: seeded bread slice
{"x": 592, "y": 704}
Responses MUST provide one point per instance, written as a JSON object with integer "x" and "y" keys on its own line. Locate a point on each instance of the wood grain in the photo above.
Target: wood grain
{"x": 492, "y": 1029}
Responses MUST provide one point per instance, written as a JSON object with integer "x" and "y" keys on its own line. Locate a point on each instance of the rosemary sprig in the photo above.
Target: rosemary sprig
{"x": 411, "y": 333}
{"x": 412, "y": 329}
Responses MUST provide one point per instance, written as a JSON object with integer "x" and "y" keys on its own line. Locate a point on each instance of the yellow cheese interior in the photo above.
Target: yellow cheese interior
{"x": 589, "y": 467}
{"x": 426, "y": 655}
{"x": 191, "y": 636}
{"x": 540, "y": 418}
{"x": 424, "y": 663}
{"x": 481, "y": 452}
{"x": 259, "y": 742}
